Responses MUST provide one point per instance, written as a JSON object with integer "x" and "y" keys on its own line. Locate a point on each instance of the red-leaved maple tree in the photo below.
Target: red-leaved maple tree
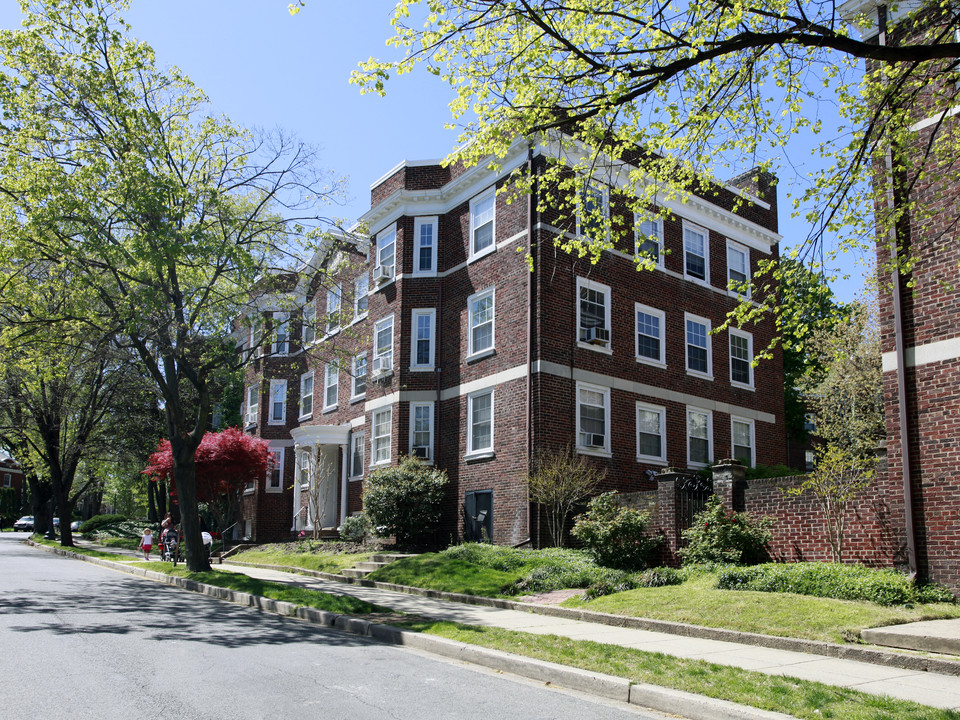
{"x": 227, "y": 461}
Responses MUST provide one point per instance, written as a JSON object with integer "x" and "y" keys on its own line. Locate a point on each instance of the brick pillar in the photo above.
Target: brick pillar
{"x": 667, "y": 519}
{"x": 729, "y": 482}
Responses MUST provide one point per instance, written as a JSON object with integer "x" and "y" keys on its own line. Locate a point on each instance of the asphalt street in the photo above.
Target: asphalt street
{"x": 80, "y": 641}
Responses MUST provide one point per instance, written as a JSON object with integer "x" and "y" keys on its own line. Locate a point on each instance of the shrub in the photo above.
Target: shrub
{"x": 100, "y": 522}
{"x": 615, "y": 535}
{"x": 354, "y": 528}
{"x": 717, "y": 536}
{"x": 654, "y": 577}
{"x": 404, "y": 500}
{"x": 831, "y": 580}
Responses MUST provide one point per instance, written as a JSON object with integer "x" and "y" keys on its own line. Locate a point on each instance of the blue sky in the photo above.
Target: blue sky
{"x": 263, "y": 67}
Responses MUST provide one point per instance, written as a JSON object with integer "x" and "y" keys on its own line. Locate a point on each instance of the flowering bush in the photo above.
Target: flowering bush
{"x": 615, "y": 535}
{"x": 719, "y": 536}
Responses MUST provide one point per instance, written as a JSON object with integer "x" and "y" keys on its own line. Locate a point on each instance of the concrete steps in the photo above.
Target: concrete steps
{"x": 365, "y": 567}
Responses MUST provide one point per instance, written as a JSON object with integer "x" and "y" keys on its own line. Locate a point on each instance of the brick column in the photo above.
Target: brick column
{"x": 667, "y": 481}
{"x": 729, "y": 482}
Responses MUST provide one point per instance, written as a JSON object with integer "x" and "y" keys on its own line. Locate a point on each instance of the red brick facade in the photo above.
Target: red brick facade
{"x": 514, "y": 361}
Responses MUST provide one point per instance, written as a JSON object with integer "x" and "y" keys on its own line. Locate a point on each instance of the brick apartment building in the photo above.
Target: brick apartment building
{"x": 922, "y": 370}
{"x": 450, "y": 348}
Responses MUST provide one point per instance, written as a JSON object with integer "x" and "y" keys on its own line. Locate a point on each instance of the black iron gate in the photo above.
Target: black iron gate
{"x": 693, "y": 491}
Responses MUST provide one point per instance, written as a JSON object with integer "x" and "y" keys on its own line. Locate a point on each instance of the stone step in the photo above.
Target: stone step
{"x": 370, "y": 566}
{"x": 355, "y": 573}
{"x": 390, "y": 557}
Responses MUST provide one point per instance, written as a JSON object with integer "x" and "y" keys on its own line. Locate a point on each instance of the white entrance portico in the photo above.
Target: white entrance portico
{"x": 321, "y": 454}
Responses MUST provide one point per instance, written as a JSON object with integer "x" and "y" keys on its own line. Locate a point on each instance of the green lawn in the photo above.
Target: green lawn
{"x": 433, "y": 571}
{"x": 319, "y": 560}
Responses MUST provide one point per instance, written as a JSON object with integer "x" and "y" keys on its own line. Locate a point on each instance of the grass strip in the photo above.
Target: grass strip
{"x": 800, "y": 698}
{"x": 317, "y": 561}
{"x": 40, "y": 540}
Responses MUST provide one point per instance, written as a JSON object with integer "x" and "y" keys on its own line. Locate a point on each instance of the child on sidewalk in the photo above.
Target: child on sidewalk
{"x": 146, "y": 543}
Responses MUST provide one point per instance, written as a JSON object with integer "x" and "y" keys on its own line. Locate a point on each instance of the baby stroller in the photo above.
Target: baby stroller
{"x": 171, "y": 546}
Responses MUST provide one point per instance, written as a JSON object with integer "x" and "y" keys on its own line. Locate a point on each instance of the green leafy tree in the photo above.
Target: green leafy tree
{"x": 161, "y": 215}
{"x": 560, "y": 481}
{"x": 404, "y": 500}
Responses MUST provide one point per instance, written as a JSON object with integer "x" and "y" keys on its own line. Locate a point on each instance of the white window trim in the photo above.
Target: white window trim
{"x": 710, "y": 456}
{"x": 753, "y": 438}
{"x": 472, "y": 453}
{"x": 302, "y": 415}
{"x": 392, "y": 230}
{"x": 662, "y": 412}
{"x": 708, "y": 375}
{"x": 252, "y": 416}
{"x": 278, "y": 463}
{"x": 308, "y": 321}
{"x": 706, "y": 252}
{"x": 357, "y": 314}
{"x": 374, "y": 437}
{"x": 471, "y": 255}
{"x": 280, "y": 320}
{"x": 605, "y": 450}
{"x": 327, "y": 385}
{"x": 415, "y": 315}
{"x": 608, "y": 301}
{"x": 354, "y": 438}
{"x": 413, "y": 409}
{"x": 471, "y": 353}
{"x": 638, "y": 218}
{"x": 335, "y": 292}
{"x": 737, "y": 247}
{"x": 376, "y": 332}
{"x": 604, "y": 192}
{"x": 270, "y": 418}
{"x": 354, "y": 395}
{"x": 418, "y": 223}
{"x": 660, "y": 362}
{"x": 733, "y": 332}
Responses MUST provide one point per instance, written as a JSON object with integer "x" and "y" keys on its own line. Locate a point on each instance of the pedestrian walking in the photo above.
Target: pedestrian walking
{"x": 146, "y": 543}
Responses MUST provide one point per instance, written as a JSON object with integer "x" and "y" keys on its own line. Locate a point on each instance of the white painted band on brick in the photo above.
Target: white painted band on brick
{"x": 939, "y": 117}
{"x": 636, "y": 388}
{"x": 940, "y": 351}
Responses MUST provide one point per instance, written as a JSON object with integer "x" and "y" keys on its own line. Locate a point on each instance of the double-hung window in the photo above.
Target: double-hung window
{"x": 741, "y": 358}
{"x": 278, "y": 402}
{"x": 593, "y": 418}
{"x": 422, "y": 334}
{"x": 7, "y": 480}
{"x": 651, "y": 433}
{"x": 275, "y": 471}
{"x": 425, "y": 246}
{"x": 281, "y": 332}
{"x": 649, "y": 239}
{"x": 386, "y": 256}
{"x": 699, "y": 355}
{"x": 483, "y": 224}
{"x": 358, "y": 380}
{"x": 480, "y": 311}
{"x": 480, "y": 423}
{"x": 593, "y": 313}
{"x": 253, "y": 404}
{"x": 696, "y": 256}
{"x": 651, "y": 325}
{"x": 383, "y": 347}
{"x": 421, "y": 430}
{"x": 699, "y": 437}
{"x": 382, "y": 421}
{"x": 333, "y": 309}
{"x": 361, "y": 299}
{"x": 738, "y": 269}
{"x": 306, "y": 395}
{"x": 331, "y": 384}
{"x": 308, "y": 322}
{"x": 356, "y": 454}
{"x": 742, "y": 440}
{"x": 594, "y": 212}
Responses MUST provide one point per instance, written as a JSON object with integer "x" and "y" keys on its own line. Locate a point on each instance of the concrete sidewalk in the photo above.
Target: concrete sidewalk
{"x": 935, "y": 689}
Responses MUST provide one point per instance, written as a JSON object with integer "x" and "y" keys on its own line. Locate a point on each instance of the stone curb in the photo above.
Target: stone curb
{"x": 813, "y": 647}
{"x": 689, "y": 705}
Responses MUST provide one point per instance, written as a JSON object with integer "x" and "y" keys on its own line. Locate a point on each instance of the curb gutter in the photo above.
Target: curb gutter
{"x": 667, "y": 700}
{"x": 812, "y": 647}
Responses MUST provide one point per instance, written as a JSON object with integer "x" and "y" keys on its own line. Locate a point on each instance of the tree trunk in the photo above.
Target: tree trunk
{"x": 152, "y": 502}
{"x": 185, "y": 478}
{"x": 40, "y": 494}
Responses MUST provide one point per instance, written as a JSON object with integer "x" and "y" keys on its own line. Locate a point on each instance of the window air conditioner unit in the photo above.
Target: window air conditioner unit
{"x": 383, "y": 365}
{"x": 595, "y": 440}
{"x": 382, "y": 274}
{"x": 421, "y": 451}
{"x": 595, "y": 335}
{"x": 252, "y": 417}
